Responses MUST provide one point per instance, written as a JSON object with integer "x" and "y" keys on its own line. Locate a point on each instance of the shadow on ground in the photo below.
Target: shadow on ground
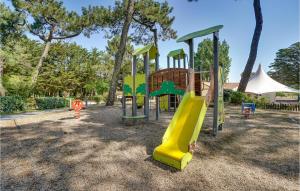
{"x": 98, "y": 152}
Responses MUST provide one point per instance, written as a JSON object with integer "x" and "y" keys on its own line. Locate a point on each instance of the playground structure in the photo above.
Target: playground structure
{"x": 182, "y": 85}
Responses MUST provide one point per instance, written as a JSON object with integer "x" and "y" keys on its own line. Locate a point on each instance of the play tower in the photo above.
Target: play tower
{"x": 179, "y": 83}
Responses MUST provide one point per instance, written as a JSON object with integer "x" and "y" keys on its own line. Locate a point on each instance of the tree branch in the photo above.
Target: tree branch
{"x": 67, "y": 36}
{"x": 43, "y": 38}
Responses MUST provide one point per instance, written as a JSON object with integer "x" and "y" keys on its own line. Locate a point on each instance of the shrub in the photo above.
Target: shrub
{"x": 261, "y": 102}
{"x": 280, "y": 94}
{"x": 97, "y": 99}
{"x": 237, "y": 97}
{"x": 9, "y": 104}
{"x": 30, "y": 103}
{"x": 227, "y": 95}
{"x": 50, "y": 102}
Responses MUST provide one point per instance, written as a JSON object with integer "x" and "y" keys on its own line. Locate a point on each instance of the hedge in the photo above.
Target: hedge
{"x": 10, "y": 104}
{"x": 50, "y": 102}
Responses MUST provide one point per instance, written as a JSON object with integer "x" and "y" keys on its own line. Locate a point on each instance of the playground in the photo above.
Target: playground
{"x": 98, "y": 152}
{"x": 140, "y": 115}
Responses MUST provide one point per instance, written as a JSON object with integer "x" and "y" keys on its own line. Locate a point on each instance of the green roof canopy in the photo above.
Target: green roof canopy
{"x": 149, "y": 48}
{"x": 200, "y": 33}
{"x": 177, "y": 53}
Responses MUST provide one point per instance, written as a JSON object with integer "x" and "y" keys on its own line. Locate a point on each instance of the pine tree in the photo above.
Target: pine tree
{"x": 285, "y": 68}
{"x": 204, "y": 57}
{"x": 254, "y": 45}
{"x": 51, "y": 21}
{"x": 149, "y": 21}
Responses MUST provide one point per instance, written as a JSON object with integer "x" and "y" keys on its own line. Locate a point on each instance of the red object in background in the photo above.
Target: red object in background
{"x": 77, "y": 106}
{"x": 247, "y": 112}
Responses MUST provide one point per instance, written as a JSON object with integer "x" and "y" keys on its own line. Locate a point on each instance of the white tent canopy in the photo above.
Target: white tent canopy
{"x": 261, "y": 83}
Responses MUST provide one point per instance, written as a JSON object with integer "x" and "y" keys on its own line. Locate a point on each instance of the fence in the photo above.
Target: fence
{"x": 288, "y": 107}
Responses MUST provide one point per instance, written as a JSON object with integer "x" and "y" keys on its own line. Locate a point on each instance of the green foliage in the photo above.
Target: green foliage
{"x": 10, "y": 24}
{"x": 97, "y": 99}
{"x": 17, "y": 85}
{"x": 227, "y": 95}
{"x": 154, "y": 17}
{"x": 204, "y": 57}
{"x": 237, "y": 97}
{"x": 280, "y": 94}
{"x": 285, "y": 68}
{"x": 10, "y": 104}
{"x": 30, "y": 103}
{"x": 260, "y": 102}
{"x": 50, "y": 19}
{"x": 50, "y": 102}
{"x": 101, "y": 86}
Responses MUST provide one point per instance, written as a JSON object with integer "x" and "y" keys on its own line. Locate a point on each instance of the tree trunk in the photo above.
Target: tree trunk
{"x": 254, "y": 44}
{"x": 40, "y": 64}
{"x": 2, "y": 89}
{"x": 120, "y": 53}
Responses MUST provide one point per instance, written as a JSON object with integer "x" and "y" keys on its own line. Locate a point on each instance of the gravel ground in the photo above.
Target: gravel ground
{"x": 54, "y": 151}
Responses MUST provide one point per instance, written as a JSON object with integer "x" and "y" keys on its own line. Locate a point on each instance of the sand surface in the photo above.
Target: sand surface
{"x": 54, "y": 151}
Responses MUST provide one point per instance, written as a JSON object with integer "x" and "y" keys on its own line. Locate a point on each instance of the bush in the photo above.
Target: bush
{"x": 10, "y": 104}
{"x": 227, "y": 95}
{"x": 262, "y": 101}
{"x": 97, "y": 99}
{"x": 280, "y": 94}
{"x": 30, "y": 103}
{"x": 237, "y": 97}
{"x": 50, "y": 102}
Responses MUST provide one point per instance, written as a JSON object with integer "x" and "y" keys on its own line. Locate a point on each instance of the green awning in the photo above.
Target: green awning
{"x": 149, "y": 48}
{"x": 199, "y": 33}
{"x": 177, "y": 53}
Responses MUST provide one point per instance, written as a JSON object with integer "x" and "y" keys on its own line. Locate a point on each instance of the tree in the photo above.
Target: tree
{"x": 204, "y": 57}
{"x": 150, "y": 22}
{"x": 18, "y": 56}
{"x": 154, "y": 17}
{"x": 49, "y": 20}
{"x": 254, "y": 44}
{"x": 120, "y": 53}
{"x": 9, "y": 29}
{"x": 285, "y": 68}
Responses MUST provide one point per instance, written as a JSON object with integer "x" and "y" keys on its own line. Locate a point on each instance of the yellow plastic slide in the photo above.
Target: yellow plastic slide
{"x": 182, "y": 132}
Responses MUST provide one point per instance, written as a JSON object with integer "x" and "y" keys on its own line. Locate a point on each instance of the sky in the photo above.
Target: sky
{"x": 281, "y": 20}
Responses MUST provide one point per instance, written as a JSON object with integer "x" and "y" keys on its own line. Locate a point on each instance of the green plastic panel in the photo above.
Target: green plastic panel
{"x": 177, "y": 53}
{"x": 200, "y": 33}
{"x": 149, "y": 48}
{"x": 139, "y": 84}
{"x": 167, "y": 87}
